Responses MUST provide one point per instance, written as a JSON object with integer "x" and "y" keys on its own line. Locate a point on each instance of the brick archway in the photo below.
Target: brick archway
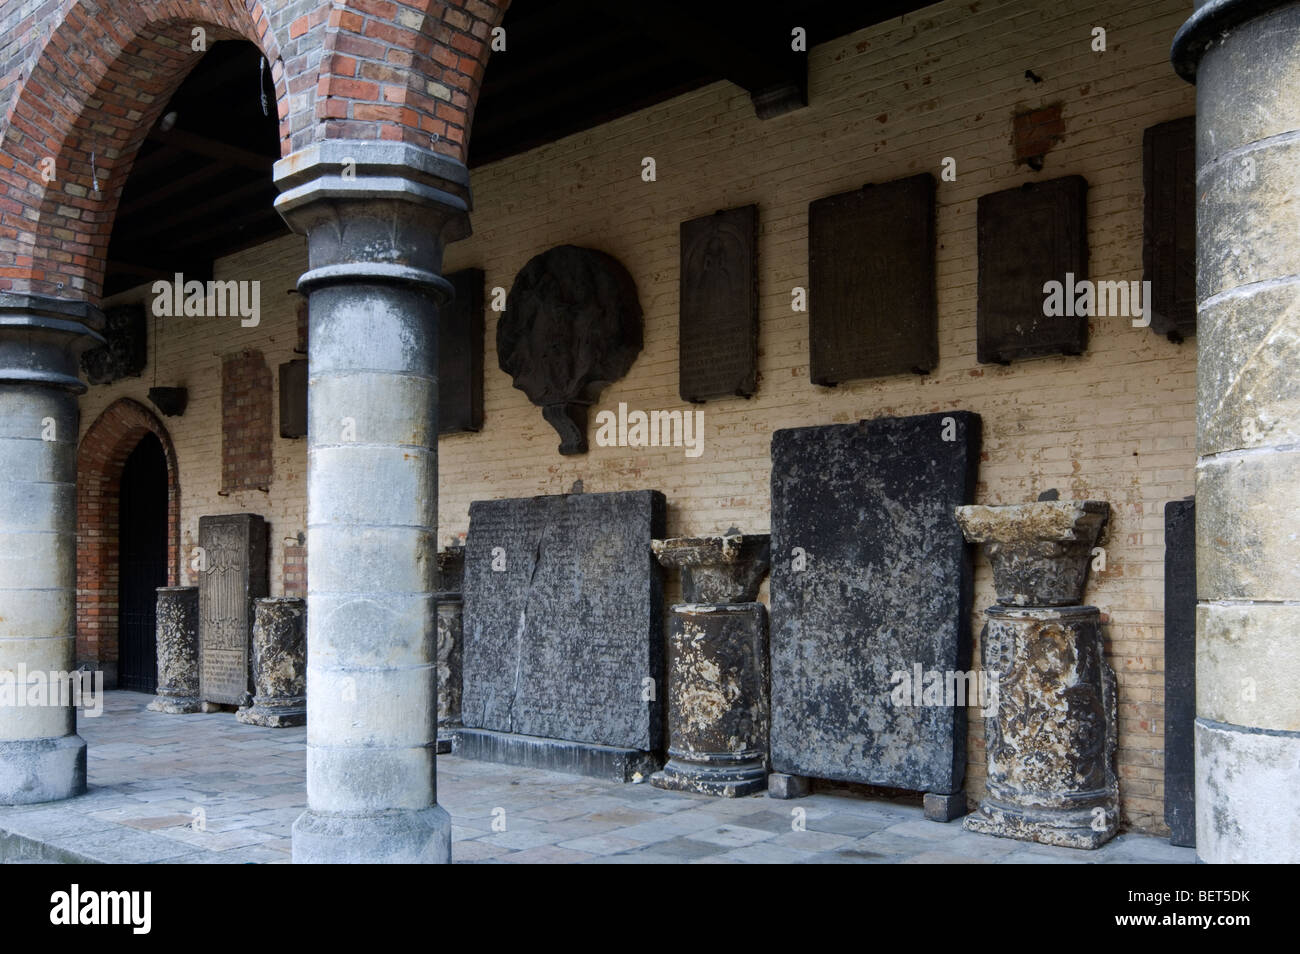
{"x": 100, "y": 459}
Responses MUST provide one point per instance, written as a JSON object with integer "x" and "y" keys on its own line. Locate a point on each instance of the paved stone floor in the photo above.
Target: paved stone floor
{"x": 155, "y": 779}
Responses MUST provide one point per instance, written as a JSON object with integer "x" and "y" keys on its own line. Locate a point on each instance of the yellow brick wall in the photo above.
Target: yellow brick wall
{"x": 1116, "y": 424}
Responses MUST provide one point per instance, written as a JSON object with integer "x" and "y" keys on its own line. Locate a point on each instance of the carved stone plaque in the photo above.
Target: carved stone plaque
{"x": 718, "y": 322}
{"x": 293, "y": 398}
{"x": 460, "y": 355}
{"x": 1169, "y": 236}
{"x": 125, "y": 348}
{"x": 572, "y": 325}
{"x": 871, "y": 275}
{"x": 234, "y": 549}
{"x": 563, "y": 619}
{"x": 1029, "y": 236}
{"x": 871, "y": 585}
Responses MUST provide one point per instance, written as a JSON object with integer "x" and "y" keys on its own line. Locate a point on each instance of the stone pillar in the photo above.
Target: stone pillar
{"x": 178, "y": 650}
{"x": 717, "y": 695}
{"x": 376, "y": 216}
{"x": 1244, "y": 56}
{"x": 279, "y": 663}
{"x": 1051, "y": 738}
{"x": 41, "y": 340}
{"x": 451, "y": 643}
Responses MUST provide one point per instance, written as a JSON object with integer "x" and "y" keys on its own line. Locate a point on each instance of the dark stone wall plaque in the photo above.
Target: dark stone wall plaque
{"x": 234, "y": 546}
{"x": 293, "y": 398}
{"x": 563, "y": 618}
{"x": 1169, "y": 233}
{"x": 1028, "y": 236}
{"x": 718, "y": 321}
{"x": 872, "y": 308}
{"x": 1180, "y": 671}
{"x": 572, "y": 325}
{"x": 870, "y": 576}
{"x": 125, "y": 349}
{"x": 460, "y": 355}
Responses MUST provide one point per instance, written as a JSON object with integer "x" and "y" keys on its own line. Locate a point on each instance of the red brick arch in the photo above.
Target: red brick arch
{"x": 101, "y": 77}
{"x": 408, "y": 71}
{"x": 100, "y": 460}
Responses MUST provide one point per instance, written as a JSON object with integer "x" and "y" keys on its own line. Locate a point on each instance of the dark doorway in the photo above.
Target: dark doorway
{"x": 142, "y": 564}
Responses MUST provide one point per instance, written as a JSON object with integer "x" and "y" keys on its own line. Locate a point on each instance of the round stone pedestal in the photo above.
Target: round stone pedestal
{"x": 178, "y": 651}
{"x": 279, "y": 663}
{"x": 1051, "y": 743}
{"x": 717, "y": 700}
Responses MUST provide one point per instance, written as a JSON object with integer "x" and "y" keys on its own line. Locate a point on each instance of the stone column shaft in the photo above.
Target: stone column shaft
{"x": 178, "y": 651}
{"x": 376, "y": 216}
{"x": 41, "y": 756}
{"x": 1244, "y": 56}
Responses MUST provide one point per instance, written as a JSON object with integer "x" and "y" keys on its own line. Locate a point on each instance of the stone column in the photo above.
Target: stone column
{"x": 41, "y": 340}
{"x": 1051, "y": 738}
{"x": 1244, "y": 56}
{"x": 279, "y": 663}
{"x": 451, "y": 642}
{"x": 376, "y": 216}
{"x": 717, "y": 695}
{"x": 178, "y": 650}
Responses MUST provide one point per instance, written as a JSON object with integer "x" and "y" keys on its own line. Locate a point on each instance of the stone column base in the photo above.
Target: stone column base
{"x": 42, "y": 770}
{"x": 274, "y": 713}
{"x": 1049, "y": 826}
{"x": 727, "y": 781}
{"x": 176, "y": 705}
{"x": 420, "y": 837}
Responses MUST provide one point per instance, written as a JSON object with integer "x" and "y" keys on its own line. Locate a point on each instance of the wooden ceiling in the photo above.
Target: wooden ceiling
{"x": 202, "y": 189}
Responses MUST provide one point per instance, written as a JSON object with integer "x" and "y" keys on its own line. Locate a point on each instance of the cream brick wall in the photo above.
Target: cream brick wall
{"x": 1115, "y": 424}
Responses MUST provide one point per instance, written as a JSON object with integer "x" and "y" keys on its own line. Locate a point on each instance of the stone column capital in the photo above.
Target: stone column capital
{"x": 724, "y": 569}
{"x": 374, "y": 211}
{"x": 1209, "y": 23}
{"x": 42, "y": 339}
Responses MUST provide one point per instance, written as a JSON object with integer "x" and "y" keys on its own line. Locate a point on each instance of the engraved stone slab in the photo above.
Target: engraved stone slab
{"x": 871, "y": 274}
{"x": 1029, "y": 236}
{"x": 563, "y": 618}
{"x": 870, "y": 576}
{"x": 234, "y": 546}
{"x": 1180, "y": 671}
{"x": 1169, "y": 233}
{"x": 125, "y": 349}
{"x": 460, "y": 355}
{"x": 718, "y": 322}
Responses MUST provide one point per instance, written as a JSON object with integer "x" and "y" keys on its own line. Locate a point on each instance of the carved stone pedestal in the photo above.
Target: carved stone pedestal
{"x": 718, "y": 711}
{"x": 178, "y": 650}
{"x": 451, "y": 611}
{"x": 1051, "y": 742}
{"x": 279, "y": 664}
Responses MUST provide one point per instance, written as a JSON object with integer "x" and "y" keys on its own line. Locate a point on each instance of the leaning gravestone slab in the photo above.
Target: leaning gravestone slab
{"x": 1180, "y": 671}
{"x": 234, "y": 548}
{"x": 563, "y": 620}
{"x": 870, "y": 577}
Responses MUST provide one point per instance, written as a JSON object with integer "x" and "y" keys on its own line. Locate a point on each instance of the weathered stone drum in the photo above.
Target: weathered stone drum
{"x": 718, "y": 710}
{"x": 1051, "y": 742}
{"x": 279, "y": 663}
{"x": 178, "y": 650}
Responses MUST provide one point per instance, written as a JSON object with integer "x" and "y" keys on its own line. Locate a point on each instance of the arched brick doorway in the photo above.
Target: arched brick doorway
{"x": 101, "y": 460}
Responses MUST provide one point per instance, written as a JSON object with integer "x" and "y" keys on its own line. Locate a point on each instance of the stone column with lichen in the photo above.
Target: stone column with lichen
{"x": 178, "y": 651}
{"x": 1050, "y": 739}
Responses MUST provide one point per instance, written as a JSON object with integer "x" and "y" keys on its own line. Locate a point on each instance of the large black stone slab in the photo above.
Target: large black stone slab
{"x": 235, "y": 551}
{"x": 1169, "y": 232}
{"x": 1028, "y": 236}
{"x": 460, "y": 355}
{"x": 718, "y": 320}
{"x": 1180, "y": 671}
{"x": 293, "y": 398}
{"x": 867, "y": 510}
{"x": 871, "y": 282}
{"x": 564, "y": 638}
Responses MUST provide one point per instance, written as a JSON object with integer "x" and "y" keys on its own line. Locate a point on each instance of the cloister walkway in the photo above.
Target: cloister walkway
{"x": 204, "y": 788}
